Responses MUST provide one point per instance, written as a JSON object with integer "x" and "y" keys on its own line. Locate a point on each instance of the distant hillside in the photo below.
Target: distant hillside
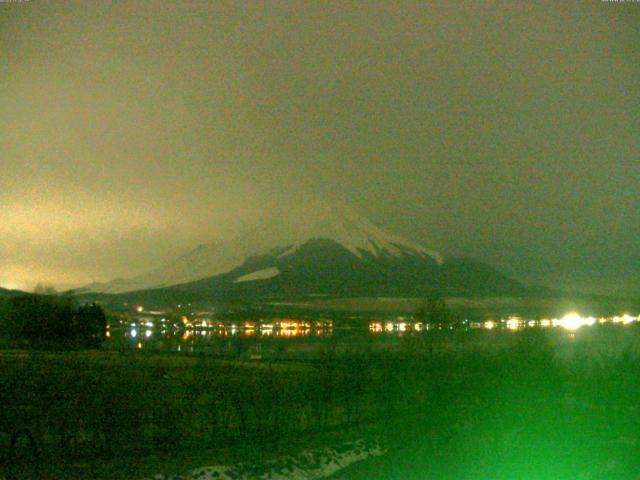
{"x": 4, "y": 293}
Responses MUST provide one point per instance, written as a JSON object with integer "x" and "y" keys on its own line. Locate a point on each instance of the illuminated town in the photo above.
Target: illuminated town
{"x": 143, "y": 324}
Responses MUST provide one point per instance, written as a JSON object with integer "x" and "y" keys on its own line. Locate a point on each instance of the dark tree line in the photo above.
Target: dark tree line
{"x": 49, "y": 321}
{"x": 434, "y": 312}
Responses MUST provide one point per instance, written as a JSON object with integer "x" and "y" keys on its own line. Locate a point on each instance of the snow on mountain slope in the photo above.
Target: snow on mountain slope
{"x": 263, "y": 274}
{"x": 283, "y": 234}
{"x": 202, "y": 262}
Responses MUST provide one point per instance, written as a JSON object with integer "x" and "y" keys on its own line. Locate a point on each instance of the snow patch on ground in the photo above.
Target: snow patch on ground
{"x": 309, "y": 465}
{"x": 259, "y": 275}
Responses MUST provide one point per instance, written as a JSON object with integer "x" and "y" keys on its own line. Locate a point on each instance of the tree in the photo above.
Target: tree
{"x": 90, "y": 325}
{"x": 433, "y": 312}
{"x": 44, "y": 289}
{"x": 41, "y": 321}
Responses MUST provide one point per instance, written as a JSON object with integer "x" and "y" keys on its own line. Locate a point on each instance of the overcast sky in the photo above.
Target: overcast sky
{"x": 506, "y": 131}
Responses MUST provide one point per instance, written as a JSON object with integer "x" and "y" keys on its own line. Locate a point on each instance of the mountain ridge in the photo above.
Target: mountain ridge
{"x": 284, "y": 235}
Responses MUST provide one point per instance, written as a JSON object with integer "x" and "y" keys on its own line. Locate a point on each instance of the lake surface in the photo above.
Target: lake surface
{"x": 282, "y": 338}
{"x": 274, "y": 339}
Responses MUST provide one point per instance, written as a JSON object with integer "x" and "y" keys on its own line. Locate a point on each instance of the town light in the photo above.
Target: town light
{"x": 572, "y": 321}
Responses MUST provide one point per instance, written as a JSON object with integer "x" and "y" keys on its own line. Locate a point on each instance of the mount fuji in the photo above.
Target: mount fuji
{"x": 317, "y": 249}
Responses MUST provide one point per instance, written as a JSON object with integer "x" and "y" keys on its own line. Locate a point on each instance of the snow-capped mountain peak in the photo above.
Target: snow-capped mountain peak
{"x": 333, "y": 221}
{"x": 283, "y": 234}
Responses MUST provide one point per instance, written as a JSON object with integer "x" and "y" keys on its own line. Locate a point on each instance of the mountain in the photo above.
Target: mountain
{"x": 316, "y": 249}
{"x": 325, "y": 268}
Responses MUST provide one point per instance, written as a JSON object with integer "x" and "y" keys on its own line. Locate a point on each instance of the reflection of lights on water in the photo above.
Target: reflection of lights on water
{"x": 249, "y": 329}
{"x": 140, "y": 309}
{"x": 303, "y": 328}
{"x": 294, "y": 332}
{"x": 108, "y": 334}
{"x": 139, "y": 344}
{"x": 293, "y": 328}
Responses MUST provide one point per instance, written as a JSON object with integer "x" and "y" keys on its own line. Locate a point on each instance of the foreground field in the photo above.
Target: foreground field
{"x": 533, "y": 404}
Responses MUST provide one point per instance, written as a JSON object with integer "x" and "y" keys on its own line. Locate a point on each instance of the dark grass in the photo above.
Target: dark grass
{"x": 534, "y": 404}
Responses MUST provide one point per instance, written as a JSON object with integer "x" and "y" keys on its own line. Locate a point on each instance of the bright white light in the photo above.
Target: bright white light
{"x": 627, "y": 319}
{"x": 134, "y": 333}
{"x": 148, "y": 333}
{"x": 490, "y": 325}
{"x": 573, "y": 321}
{"x": 513, "y": 323}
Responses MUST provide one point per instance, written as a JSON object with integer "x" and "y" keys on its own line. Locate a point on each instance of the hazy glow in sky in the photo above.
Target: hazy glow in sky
{"x": 507, "y": 131}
